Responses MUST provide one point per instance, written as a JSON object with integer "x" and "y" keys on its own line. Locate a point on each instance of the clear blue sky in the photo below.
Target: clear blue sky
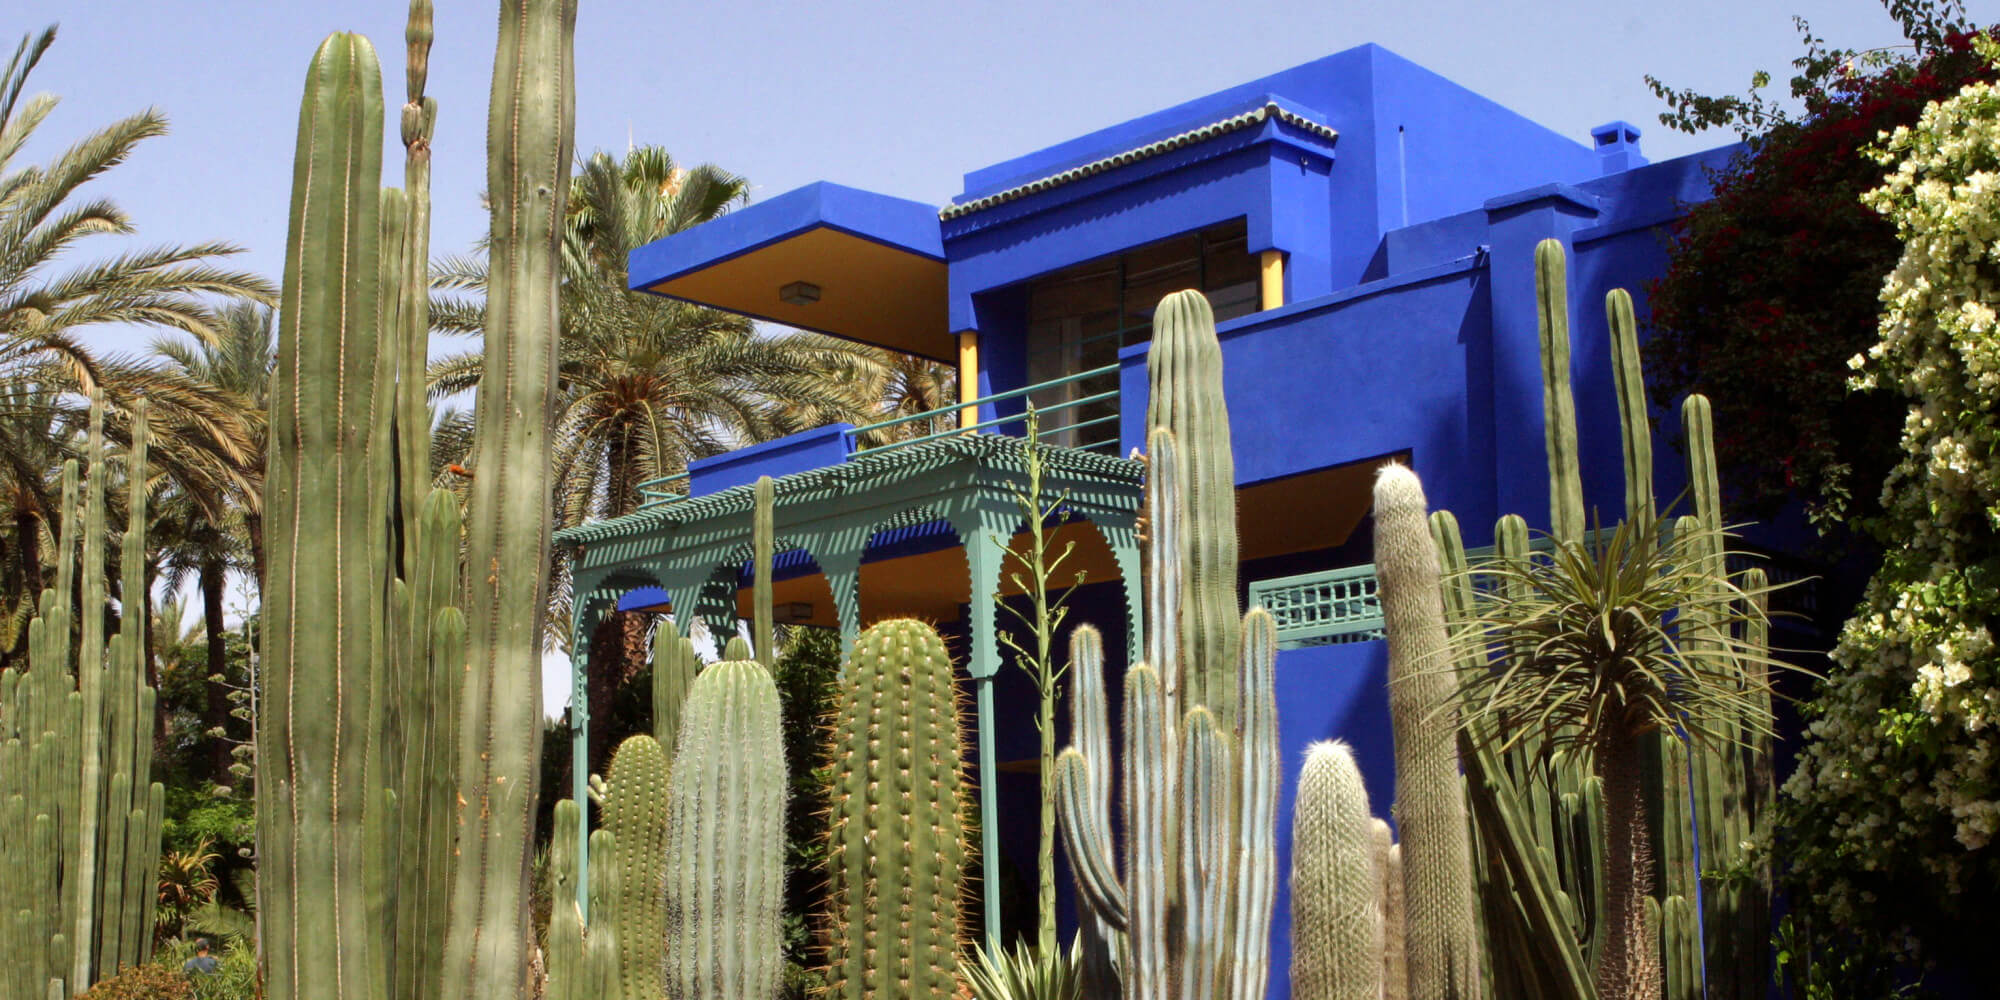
{"x": 901, "y": 98}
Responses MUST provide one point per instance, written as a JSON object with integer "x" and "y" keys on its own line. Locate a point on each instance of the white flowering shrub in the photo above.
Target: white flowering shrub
{"x": 1894, "y": 809}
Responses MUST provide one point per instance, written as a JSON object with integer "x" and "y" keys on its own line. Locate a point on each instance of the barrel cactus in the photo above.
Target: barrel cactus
{"x": 897, "y": 853}
{"x": 726, "y": 839}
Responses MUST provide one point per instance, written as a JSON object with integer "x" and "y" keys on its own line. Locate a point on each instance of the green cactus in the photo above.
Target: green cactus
{"x": 1337, "y": 947}
{"x": 1561, "y": 843}
{"x": 317, "y": 733}
{"x": 675, "y": 665}
{"x": 726, "y": 840}
{"x": 1199, "y": 878}
{"x": 738, "y": 648}
{"x": 897, "y": 849}
{"x": 635, "y": 811}
{"x": 1442, "y": 931}
{"x": 79, "y": 812}
{"x": 530, "y": 135}
{"x": 603, "y": 951}
{"x": 1184, "y": 372}
{"x": 564, "y": 958}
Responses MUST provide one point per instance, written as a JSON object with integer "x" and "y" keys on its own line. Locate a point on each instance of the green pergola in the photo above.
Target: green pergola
{"x": 694, "y": 550}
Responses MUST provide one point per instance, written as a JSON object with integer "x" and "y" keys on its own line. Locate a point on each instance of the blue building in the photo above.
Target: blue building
{"x": 1365, "y": 230}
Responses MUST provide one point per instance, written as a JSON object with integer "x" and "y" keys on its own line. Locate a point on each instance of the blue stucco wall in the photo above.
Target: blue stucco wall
{"x": 801, "y": 452}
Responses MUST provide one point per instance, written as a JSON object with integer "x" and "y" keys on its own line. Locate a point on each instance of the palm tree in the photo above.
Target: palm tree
{"x": 202, "y": 441}
{"x": 646, "y": 384}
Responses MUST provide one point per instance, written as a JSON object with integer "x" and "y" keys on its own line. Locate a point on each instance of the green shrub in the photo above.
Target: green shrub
{"x": 145, "y": 982}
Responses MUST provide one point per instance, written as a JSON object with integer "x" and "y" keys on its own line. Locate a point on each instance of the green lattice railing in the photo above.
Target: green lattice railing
{"x": 1324, "y": 608}
{"x": 1064, "y": 417}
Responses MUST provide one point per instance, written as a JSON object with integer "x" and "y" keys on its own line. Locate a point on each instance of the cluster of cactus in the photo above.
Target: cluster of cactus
{"x": 1189, "y": 911}
{"x": 688, "y": 871}
{"x": 1540, "y": 813}
{"x": 80, "y": 814}
{"x": 896, "y": 853}
{"x": 398, "y": 737}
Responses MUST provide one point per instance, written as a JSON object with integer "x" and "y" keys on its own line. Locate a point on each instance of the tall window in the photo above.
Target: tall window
{"x": 1080, "y": 316}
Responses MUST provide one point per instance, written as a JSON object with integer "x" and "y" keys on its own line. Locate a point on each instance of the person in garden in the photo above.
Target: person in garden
{"x": 203, "y": 963}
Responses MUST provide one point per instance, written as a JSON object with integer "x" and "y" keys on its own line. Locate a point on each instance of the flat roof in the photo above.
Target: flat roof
{"x": 874, "y": 264}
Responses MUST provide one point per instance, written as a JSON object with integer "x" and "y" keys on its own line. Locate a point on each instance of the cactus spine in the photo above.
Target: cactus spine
{"x": 1184, "y": 372}
{"x": 530, "y": 134}
{"x": 726, "y": 839}
{"x": 1395, "y": 962}
{"x": 1430, "y": 803}
{"x": 1337, "y": 883}
{"x": 79, "y": 813}
{"x": 897, "y": 850}
{"x": 635, "y": 811}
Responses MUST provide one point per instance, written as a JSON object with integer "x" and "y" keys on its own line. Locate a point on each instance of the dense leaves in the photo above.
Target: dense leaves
{"x": 1773, "y": 284}
{"x": 1894, "y": 811}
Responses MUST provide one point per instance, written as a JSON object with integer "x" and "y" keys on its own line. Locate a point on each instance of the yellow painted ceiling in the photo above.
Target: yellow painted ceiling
{"x": 869, "y": 292}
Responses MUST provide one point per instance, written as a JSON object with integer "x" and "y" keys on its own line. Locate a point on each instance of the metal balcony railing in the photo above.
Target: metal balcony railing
{"x": 1052, "y": 416}
{"x": 1060, "y": 423}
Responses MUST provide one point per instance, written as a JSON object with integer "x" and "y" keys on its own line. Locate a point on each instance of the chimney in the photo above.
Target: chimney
{"x": 1617, "y": 147}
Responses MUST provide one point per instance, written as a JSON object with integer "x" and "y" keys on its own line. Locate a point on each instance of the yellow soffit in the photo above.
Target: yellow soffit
{"x": 868, "y": 291}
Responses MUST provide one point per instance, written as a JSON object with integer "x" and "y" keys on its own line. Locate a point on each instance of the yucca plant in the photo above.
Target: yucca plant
{"x": 1024, "y": 973}
{"x": 1608, "y": 638}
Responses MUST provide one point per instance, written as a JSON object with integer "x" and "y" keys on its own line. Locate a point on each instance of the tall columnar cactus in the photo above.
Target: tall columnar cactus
{"x": 726, "y": 840}
{"x": 897, "y": 851}
{"x": 1395, "y": 962}
{"x": 1337, "y": 951}
{"x": 327, "y": 580}
{"x": 530, "y": 135}
{"x": 635, "y": 811}
{"x": 675, "y": 664}
{"x": 1184, "y": 372}
{"x": 564, "y": 961}
{"x": 79, "y": 813}
{"x": 1199, "y": 872}
{"x": 1562, "y": 845}
{"x": 602, "y": 952}
{"x": 1430, "y": 802}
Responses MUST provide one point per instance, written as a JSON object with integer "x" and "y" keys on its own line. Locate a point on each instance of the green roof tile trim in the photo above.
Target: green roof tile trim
{"x": 998, "y": 451}
{"x": 1233, "y": 123}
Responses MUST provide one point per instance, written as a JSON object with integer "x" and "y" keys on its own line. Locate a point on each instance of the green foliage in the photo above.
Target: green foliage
{"x": 1036, "y": 572}
{"x": 1771, "y": 284}
{"x": 1894, "y": 810}
{"x": 1024, "y": 973}
{"x": 143, "y": 982}
{"x": 807, "y": 673}
{"x": 235, "y": 975}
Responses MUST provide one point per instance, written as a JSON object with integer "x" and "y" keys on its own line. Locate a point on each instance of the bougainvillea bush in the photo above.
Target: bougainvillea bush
{"x": 1772, "y": 285}
{"x": 1894, "y": 810}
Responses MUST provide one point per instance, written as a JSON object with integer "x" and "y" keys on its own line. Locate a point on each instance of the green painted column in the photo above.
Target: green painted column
{"x": 984, "y": 557}
{"x": 1123, "y": 539}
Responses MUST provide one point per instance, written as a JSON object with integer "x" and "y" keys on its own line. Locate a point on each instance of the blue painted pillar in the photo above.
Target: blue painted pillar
{"x": 1515, "y": 224}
